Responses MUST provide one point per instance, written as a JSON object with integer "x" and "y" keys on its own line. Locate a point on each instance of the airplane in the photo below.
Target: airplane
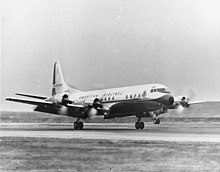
{"x": 149, "y": 100}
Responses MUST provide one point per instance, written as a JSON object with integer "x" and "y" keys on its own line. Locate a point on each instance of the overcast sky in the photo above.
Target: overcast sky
{"x": 105, "y": 44}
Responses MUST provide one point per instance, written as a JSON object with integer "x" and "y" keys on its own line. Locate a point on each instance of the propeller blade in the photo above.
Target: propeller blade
{"x": 91, "y": 112}
{"x": 180, "y": 109}
{"x": 63, "y": 110}
{"x": 190, "y": 95}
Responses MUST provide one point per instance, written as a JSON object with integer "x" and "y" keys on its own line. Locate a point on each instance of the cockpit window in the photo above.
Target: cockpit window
{"x": 161, "y": 90}
{"x": 167, "y": 90}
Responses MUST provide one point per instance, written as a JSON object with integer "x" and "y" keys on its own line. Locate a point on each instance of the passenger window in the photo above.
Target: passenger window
{"x": 131, "y": 96}
{"x": 126, "y": 96}
{"x": 134, "y": 95}
{"x": 139, "y": 95}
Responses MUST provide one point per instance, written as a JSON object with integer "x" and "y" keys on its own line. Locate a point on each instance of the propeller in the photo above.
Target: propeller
{"x": 95, "y": 108}
{"x": 65, "y": 100}
{"x": 63, "y": 110}
{"x": 179, "y": 109}
{"x": 91, "y": 112}
{"x": 190, "y": 95}
{"x": 183, "y": 101}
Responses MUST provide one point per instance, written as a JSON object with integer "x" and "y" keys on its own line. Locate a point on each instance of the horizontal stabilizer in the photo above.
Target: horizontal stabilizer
{"x": 32, "y": 96}
{"x": 31, "y": 102}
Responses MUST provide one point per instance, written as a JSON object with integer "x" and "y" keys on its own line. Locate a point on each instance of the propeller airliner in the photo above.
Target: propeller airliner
{"x": 148, "y": 100}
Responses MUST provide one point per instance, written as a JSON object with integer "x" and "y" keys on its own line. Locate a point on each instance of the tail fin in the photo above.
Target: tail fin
{"x": 59, "y": 85}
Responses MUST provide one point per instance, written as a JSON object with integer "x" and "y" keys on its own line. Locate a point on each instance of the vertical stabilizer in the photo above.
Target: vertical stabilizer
{"x": 59, "y": 85}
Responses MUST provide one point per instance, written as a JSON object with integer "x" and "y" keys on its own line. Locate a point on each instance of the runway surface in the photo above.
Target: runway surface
{"x": 179, "y": 132}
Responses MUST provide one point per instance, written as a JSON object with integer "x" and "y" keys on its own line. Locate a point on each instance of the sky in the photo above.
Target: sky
{"x": 106, "y": 44}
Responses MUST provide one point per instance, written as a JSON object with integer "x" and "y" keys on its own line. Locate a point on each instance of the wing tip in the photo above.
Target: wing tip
{"x": 9, "y": 98}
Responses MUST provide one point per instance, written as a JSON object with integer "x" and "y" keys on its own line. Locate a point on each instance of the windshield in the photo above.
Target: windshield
{"x": 161, "y": 90}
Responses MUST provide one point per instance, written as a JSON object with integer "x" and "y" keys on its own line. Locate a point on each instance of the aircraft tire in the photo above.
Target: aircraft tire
{"x": 141, "y": 125}
{"x": 75, "y": 125}
{"x": 137, "y": 125}
{"x": 158, "y": 121}
{"x": 80, "y": 125}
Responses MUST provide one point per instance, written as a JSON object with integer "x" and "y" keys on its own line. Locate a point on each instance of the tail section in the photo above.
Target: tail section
{"x": 59, "y": 84}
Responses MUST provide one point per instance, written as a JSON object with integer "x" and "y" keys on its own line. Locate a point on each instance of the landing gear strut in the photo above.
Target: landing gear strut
{"x": 139, "y": 124}
{"x": 78, "y": 125}
{"x": 156, "y": 121}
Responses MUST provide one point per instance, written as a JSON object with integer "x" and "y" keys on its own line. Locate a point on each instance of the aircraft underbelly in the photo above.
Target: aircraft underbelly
{"x": 135, "y": 107}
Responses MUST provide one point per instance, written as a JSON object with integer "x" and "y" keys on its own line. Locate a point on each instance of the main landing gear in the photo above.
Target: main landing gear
{"x": 78, "y": 125}
{"x": 139, "y": 124}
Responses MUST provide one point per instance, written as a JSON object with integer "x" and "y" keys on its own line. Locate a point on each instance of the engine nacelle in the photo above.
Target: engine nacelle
{"x": 97, "y": 104}
{"x": 95, "y": 108}
{"x": 61, "y": 99}
{"x": 65, "y": 100}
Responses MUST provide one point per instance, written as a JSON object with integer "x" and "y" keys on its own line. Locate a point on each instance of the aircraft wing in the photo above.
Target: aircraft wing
{"x": 31, "y": 102}
{"x": 196, "y": 102}
{"x": 39, "y": 102}
{"x": 31, "y": 95}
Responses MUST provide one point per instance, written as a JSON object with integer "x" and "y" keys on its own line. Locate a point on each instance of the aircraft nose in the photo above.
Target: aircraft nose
{"x": 167, "y": 100}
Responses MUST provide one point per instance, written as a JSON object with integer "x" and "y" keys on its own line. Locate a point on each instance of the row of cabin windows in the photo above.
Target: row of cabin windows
{"x": 88, "y": 96}
{"x": 112, "y": 98}
{"x": 134, "y": 96}
{"x": 107, "y": 98}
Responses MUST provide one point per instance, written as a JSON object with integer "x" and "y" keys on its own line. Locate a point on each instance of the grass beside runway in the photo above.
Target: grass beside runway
{"x": 45, "y": 154}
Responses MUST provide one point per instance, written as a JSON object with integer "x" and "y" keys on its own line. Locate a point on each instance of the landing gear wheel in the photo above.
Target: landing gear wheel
{"x": 139, "y": 125}
{"x": 75, "y": 125}
{"x": 78, "y": 125}
{"x": 156, "y": 121}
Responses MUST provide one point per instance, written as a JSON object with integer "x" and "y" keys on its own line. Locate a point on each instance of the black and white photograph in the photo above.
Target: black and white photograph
{"x": 110, "y": 86}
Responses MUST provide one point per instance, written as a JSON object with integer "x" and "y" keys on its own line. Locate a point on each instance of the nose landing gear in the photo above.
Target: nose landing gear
{"x": 156, "y": 121}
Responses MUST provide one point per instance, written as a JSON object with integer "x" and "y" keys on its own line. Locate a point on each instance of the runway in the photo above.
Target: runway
{"x": 177, "y": 132}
